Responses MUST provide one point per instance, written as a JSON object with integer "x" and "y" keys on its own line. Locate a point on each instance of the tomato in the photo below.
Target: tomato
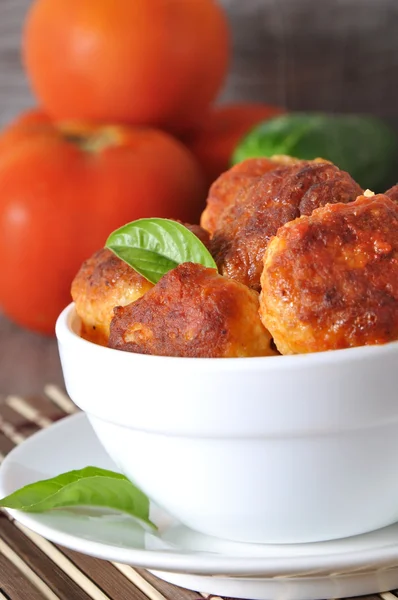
{"x": 151, "y": 62}
{"x": 225, "y": 125}
{"x": 64, "y": 187}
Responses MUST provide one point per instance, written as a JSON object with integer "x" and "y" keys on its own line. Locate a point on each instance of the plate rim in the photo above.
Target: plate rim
{"x": 194, "y": 562}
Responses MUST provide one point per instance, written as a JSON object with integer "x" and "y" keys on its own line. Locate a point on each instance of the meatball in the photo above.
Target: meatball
{"x": 393, "y": 193}
{"x": 200, "y": 233}
{"x": 330, "y": 280}
{"x": 103, "y": 282}
{"x": 194, "y": 312}
{"x": 246, "y": 227}
{"x": 225, "y": 189}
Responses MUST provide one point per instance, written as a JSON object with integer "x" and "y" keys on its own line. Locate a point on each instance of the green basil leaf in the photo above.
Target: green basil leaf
{"x": 90, "y": 486}
{"x": 152, "y": 247}
{"x": 363, "y": 145}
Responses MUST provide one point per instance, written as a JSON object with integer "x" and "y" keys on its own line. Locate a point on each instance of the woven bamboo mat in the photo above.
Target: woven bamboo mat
{"x": 32, "y": 568}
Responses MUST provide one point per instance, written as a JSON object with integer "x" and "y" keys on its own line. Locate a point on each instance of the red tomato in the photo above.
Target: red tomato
{"x": 224, "y": 127}
{"x": 150, "y": 62}
{"x": 64, "y": 188}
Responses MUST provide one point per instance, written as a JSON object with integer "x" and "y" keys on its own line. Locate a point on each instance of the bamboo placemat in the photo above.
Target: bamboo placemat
{"x": 32, "y": 568}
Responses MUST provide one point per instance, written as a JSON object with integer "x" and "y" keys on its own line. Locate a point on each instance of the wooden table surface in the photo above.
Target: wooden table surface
{"x": 27, "y": 360}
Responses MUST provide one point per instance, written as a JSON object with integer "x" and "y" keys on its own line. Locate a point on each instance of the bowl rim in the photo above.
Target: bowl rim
{"x": 66, "y": 335}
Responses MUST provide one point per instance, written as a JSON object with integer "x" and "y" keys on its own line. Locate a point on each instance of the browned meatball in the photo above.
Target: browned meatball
{"x": 192, "y": 311}
{"x": 331, "y": 280}
{"x": 200, "y": 233}
{"x": 245, "y": 229}
{"x": 225, "y": 189}
{"x": 393, "y": 193}
{"x": 103, "y": 282}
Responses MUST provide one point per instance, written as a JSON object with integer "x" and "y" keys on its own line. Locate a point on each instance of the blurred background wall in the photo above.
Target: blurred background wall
{"x": 338, "y": 55}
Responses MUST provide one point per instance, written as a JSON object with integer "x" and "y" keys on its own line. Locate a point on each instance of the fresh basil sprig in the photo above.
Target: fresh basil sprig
{"x": 152, "y": 247}
{"x": 90, "y": 486}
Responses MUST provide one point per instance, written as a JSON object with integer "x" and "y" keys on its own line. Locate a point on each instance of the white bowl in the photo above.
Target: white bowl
{"x": 280, "y": 449}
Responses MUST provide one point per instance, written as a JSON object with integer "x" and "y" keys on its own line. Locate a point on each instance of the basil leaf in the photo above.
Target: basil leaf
{"x": 88, "y": 487}
{"x": 363, "y": 145}
{"x": 152, "y": 247}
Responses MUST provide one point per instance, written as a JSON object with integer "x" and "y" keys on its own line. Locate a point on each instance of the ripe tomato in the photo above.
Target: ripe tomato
{"x": 224, "y": 126}
{"x": 64, "y": 188}
{"x": 151, "y": 62}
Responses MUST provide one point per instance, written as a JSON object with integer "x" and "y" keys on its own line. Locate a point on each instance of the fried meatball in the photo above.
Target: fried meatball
{"x": 103, "y": 282}
{"x": 245, "y": 229}
{"x": 200, "y": 233}
{"x": 330, "y": 280}
{"x": 393, "y": 193}
{"x": 192, "y": 311}
{"x": 225, "y": 189}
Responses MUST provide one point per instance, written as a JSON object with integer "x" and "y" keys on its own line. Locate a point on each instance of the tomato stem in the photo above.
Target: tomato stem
{"x": 92, "y": 142}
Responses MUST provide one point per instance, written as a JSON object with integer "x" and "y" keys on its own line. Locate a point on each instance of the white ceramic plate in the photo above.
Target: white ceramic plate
{"x": 354, "y": 566}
